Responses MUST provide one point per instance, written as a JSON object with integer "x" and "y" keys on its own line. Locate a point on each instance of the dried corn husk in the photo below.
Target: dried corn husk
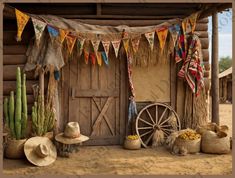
{"x": 158, "y": 138}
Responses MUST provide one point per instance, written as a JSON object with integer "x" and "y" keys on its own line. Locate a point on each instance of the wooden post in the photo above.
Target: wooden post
{"x": 233, "y": 73}
{"x": 215, "y": 70}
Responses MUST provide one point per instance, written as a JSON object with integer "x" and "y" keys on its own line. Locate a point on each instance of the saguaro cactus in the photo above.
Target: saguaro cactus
{"x": 24, "y": 107}
{"x": 11, "y": 114}
{"x": 5, "y": 109}
{"x": 18, "y": 111}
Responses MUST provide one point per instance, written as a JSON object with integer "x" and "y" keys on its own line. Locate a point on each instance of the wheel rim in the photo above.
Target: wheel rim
{"x": 150, "y": 118}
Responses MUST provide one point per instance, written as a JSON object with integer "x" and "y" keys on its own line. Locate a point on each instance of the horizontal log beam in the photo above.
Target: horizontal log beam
{"x": 30, "y": 98}
{"x": 14, "y": 49}
{"x": 207, "y": 66}
{"x": 205, "y": 55}
{"x": 9, "y": 72}
{"x": 14, "y": 59}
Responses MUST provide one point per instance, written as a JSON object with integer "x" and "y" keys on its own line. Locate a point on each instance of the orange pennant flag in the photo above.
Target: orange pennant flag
{"x": 63, "y": 34}
{"x": 70, "y": 42}
{"x": 99, "y": 58}
{"x": 135, "y": 43}
{"x": 193, "y": 21}
{"x": 86, "y": 56}
{"x": 162, "y": 35}
{"x": 22, "y": 20}
{"x": 126, "y": 44}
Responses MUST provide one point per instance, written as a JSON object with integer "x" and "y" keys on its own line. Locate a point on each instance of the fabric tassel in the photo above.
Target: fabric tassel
{"x": 132, "y": 111}
{"x": 106, "y": 60}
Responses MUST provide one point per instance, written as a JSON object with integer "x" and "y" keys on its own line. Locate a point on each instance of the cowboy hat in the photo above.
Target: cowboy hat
{"x": 40, "y": 151}
{"x": 71, "y": 134}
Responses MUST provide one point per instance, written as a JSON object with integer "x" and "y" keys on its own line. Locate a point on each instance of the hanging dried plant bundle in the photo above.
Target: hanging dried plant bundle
{"x": 158, "y": 138}
{"x": 172, "y": 121}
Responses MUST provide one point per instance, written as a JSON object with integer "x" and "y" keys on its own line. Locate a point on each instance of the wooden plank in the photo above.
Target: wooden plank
{"x": 202, "y": 34}
{"x": 30, "y": 98}
{"x": 215, "y": 70}
{"x": 14, "y": 59}
{"x": 205, "y": 54}
{"x": 14, "y": 49}
{"x": 9, "y": 38}
{"x": 1, "y": 69}
{"x": 207, "y": 65}
{"x": 9, "y": 72}
{"x": 95, "y": 93}
{"x": 204, "y": 43}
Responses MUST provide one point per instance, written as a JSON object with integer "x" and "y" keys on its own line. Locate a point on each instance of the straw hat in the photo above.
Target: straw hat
{"x": 71, "y": 134}
{"x": 40, "y": 151}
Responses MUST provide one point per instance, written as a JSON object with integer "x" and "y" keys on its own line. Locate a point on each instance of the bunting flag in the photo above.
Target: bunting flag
{"x": 186, "y": 26}
{"x": 150, "y": 37}
{"x": 162, "y": 35}
{"x": 80, "y": 44}
{"x": 39, "y": 27}
{"x": 70, "y": 39}
{"x": 174, "y": 30}
{"x": 135, "y": 43}
{"x": 106, "y": 61}
{"x": 193, "y": 21}
{"x": 63, "y": 34}
{"x": 86, "y": 56}
{"x": 116, "y": 46}
{"x": 99, "y": 58}
{"x": 126, "y": 44}
{"x": 53, "y": 32}
{"x": 22, "y": 20}
{"x": 93, "y": 58}
{"x": 95, "y": 45}
{"x": 106, "y": 45}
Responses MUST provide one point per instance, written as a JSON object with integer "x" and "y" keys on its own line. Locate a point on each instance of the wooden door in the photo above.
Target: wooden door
{"x": 95, "y": 101}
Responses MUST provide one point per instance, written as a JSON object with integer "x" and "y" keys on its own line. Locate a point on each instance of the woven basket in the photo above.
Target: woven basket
{"x": 15, "y": 149}
{"x": 132, "y": 144}
{"x": 192, "y": 146}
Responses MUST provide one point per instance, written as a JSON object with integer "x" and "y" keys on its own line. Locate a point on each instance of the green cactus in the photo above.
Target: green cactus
{"x": 24, "y": 107}
{"x": 5, "y": 109}
{"x": 11, "y": 114}
{"x": 18, "y": 111}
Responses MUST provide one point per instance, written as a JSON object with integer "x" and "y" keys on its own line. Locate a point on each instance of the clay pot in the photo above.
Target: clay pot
{"x": 132, "y": 144}
{"x": 15, "y": 149}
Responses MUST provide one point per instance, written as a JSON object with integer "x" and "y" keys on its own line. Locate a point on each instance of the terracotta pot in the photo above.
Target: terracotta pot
{"x": 49, "y": 135}
{"x": 15, "y": 149}
{"x": 132, "y": 144}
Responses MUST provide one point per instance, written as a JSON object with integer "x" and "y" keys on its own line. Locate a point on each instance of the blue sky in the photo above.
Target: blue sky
{"x": 225, "y": 33}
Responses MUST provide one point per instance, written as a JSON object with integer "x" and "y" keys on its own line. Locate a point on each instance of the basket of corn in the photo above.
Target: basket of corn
{"x": 132, "y": 142}
{"x": 190, "y": 140}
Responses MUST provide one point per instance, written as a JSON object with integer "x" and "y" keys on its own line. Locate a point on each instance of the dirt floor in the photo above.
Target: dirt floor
{"x": 115, "y": 160}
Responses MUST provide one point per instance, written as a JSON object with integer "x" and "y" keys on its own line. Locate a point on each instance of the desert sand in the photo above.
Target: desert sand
{"x": 100, "y": 160}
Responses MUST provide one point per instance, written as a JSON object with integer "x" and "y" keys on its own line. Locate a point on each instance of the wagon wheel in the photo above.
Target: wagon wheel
{"x": 152, "y": 117}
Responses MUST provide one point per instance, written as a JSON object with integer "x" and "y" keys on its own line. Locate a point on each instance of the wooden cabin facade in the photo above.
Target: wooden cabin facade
{"x": 225, "y": 86}
{"x": 98, "y": 98}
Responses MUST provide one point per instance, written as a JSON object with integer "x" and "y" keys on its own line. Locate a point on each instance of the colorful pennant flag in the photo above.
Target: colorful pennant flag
{"x": 105, "y": 58}
{"x": 63, "y": 34}
{"x": 126, "y": 44}
{"x": 93, "y": 58}
{"x": 116, "y": 46}
{"x": 174, "y": 30}
{"x": 162, "y": 35}
{"x": 99, "y": 58}
{"x": 39, "y": 27}
{"x": 95, "y": 45}
{"x": 186, "y": 26}
{"x": 70, "y": 39}
{"x": 22, "y": 20}
{"x": 80, "y": 44}
{"x": 53, "y": 32}
{"x": 150, "y": 37}
{"x": 106, "y": 45}
{"x": 135, "y": 43}
{"x": 193, "y": 21}
{"x": 86, "y": 56}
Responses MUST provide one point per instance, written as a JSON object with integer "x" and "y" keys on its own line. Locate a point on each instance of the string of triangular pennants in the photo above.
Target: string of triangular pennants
{"x": 73, "y": 38}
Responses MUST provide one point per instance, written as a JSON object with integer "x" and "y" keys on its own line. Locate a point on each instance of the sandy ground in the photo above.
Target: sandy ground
{"x": 115, "y": 160}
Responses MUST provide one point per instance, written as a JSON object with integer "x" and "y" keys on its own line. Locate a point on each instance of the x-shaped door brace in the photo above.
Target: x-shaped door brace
{"x": 102, "y": 115}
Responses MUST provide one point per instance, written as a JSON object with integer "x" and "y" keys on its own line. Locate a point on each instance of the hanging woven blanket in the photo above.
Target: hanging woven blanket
{"x": 192, "y": 70}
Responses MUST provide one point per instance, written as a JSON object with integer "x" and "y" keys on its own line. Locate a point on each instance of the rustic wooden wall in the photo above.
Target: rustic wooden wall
{"x": 132, "y": 15}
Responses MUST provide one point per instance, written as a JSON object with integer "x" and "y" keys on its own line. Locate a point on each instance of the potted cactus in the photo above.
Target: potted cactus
{"x": 15, "y": 111}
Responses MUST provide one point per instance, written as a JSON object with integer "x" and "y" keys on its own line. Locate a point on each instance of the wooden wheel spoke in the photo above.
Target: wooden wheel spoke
{"x": 170, "y": 130}
{"x": 164, "y": 121}
{"x": 164, "y": 112}
{"x": 145, "y": 133}
{"x": 166, "y": 132}
{"x": 156, "y": 113}
{"x": 148, "y": 140}
{"x": 150, "y": 116}
{"x": 146, "y": 122}
{"x": 145, "y": 128}
{"x": 166, "y": 126}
